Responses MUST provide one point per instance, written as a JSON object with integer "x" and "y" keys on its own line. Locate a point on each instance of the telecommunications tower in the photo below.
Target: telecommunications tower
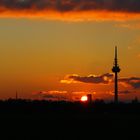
{"x": 116, "y": 69}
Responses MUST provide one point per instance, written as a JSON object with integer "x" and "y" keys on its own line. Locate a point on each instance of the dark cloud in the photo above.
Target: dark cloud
{"x": 101, "y": 79}
{"x": 52, "y": 95}
{"x": 133, "y": 81}
{"x": 126, "y": 92}
{"x": 73, "y": 5}
{"x": 72, "y": 10}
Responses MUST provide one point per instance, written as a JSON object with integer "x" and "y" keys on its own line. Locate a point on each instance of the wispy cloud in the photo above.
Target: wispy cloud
{"x": 132, "y": 26}
{"x": 76, "y": 9}
{"x": 83, "y": 92}
{"x": 126, "y": 92}
{"x": 132, "y": 81}
{"x": 56, "y": 95}
{"x": 52, "y": 95}
{"x": 122, "y": 92}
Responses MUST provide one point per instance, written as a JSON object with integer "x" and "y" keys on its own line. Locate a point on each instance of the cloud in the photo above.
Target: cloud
{"x": 131, "y": 6}
{"x": 126, "y": 92}
{"x": 102, "y": 79}
{"x": 132, "y": 26}
{"x": 56, "y": 95}
{"x": 83, "y": 93}
{"x": 122, "y": 92}
{"x": 72, "y": 9}
{"x": 52, "y": 95}
{"x": 133, "y": 82}
{"x": 56, "y": 92}
{"x": 93, "y": 79}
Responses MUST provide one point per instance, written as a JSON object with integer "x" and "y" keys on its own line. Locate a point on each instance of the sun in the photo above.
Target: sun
{"x": 84, "y": 98}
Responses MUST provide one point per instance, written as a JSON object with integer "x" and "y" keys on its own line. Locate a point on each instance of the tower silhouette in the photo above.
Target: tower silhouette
{"x": 16, "y": 95}
{"x": 116, "y": 69}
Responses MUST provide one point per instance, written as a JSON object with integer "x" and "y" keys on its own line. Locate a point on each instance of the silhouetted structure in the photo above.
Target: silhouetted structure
{"x": 16, "y": 95}
{"x": 89, "y": 97}
{"x": 116, "y": 70}
{"x": 135, "y": 101}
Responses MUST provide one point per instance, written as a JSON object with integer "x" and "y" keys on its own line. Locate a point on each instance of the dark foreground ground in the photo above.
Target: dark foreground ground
{"x": 47, "y": 121}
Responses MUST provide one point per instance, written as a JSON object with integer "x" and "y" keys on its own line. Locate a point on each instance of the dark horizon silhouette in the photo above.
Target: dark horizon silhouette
{"x": 30, "y": 119}
{"x": 45, "y": 106}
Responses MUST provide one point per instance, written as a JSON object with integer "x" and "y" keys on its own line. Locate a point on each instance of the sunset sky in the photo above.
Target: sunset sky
{"x": 63, "y": 49}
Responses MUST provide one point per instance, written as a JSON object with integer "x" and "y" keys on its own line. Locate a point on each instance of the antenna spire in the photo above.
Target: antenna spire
{"x": 116, "y": 51}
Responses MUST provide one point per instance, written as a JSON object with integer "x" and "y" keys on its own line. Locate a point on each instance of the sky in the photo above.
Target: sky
{"x": 64, "y": 49}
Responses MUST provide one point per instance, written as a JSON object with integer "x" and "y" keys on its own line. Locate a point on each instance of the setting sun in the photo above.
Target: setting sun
{"x": 84, "y": 98}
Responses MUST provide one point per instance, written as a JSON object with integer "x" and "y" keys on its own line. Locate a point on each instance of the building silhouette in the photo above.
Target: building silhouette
{"x": 89, "y": 98}
{"x": 16, "y": 95}
{"x": 116, "y": 69}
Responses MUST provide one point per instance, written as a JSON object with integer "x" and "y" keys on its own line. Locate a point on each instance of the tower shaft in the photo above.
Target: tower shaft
{"x": 116, "y": 88}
